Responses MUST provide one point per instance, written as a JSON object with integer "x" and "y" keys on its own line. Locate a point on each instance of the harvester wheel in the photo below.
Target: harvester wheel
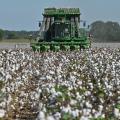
{"x": 52, "y": 48}
{"x": 43, "y": 48}
{"x": 72, "y": 48}
{"x": 82, "y": 47}
{"x": 62, "y": 47}
{"x": 33, "y": 48}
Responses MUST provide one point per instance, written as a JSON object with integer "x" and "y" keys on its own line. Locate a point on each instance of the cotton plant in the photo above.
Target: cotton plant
{"x": 61, "y": 85}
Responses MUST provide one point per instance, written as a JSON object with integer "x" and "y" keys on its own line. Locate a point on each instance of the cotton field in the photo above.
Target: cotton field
{"x": 78, "y": 85}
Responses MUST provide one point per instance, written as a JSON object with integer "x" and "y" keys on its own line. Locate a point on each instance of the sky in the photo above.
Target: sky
{"x": 25, "y": 14}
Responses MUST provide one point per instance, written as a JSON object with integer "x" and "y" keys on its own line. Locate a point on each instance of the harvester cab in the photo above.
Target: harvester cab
{"x": 60, "y": 30}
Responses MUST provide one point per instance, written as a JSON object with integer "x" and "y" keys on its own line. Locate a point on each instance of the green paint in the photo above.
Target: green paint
{"x": 60, "y": 30}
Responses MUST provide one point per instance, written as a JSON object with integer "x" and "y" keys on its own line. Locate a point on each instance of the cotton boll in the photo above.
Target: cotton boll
{"x": 22, "y": 93}
{"x": 78, "y": 96}
{"x": 86, "y": 111}
{"x": 36, "y": 96}
{"x": 42, "y": 78}
{"x": 97, "y": 114}
{"x": 37, "y": 72}
{"x": 8, "y": 76}
{"x": 91, "y": 85}
{"x": 70, "y": 88}
{"x": 75, "y": 113}
{"x": 100, "y": 108}
{"x": 3, "y": 52}
{"x": 101, "y": 100}
{"x": 17, "y": 66}
{"x": 57, "y": 116}
{"x": 2, "y": 113}
{"x": 88, "y": 105}
{"x": 79, "y": 82}
{"x": 110, "y": 94}
{"x": 41, "y": 116}
{"x": 75, "y": 73}
{"x": 66, "y": 109}
{"x": 58, "y": 93}
{"x": 24, "y": 63}
{"x": 2, "y": 104}
{"x": 50, "y": 118}
{"x": 48, "y": 90}
{"x": 51, "y": 72}
{"x": 82, "y": 103}
{"x": 44, "y": 109}
{"x": 99, "y": 84}
{"x": 84, "y": 118}
{"x": 109, "y": 87}
{"x": 3, "y": 89}
{"x": 87, "y": 93}
{"x": 40, "y": 105}
{"x": 58, "y": 70}
{"x": 73, "y": 102}
{"x": 93, "y": 111}
{"x": 8, "y": 89}
{"x": 72, "y": 78}
{"x": 59, "y": 77}
{"x": 117, "y": 113}
{"x": 53, "y": 90}
{"x": 48, "y": 77}
{"x": 103, "y": 115}
{"x": 12, "y": 106}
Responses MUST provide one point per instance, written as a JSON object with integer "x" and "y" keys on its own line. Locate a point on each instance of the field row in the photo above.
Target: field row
{"x": 60, "y": 85}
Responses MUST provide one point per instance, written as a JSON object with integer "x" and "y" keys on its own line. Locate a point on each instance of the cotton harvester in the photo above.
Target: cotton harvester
{"x": 60, "y": 30}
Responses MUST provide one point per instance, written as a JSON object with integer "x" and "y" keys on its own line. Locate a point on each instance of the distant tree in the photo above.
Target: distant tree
{"x": 98, "y": 30}
{"x": 112, "y": 31}
{"x": 19, "y": 34}
{"x": 105, "y": 32}
{"x": 12, "y": 35}
{"x": 1, "y": 34}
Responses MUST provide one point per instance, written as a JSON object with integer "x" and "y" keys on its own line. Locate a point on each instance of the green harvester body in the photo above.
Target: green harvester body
{"x": 60, "y": 30}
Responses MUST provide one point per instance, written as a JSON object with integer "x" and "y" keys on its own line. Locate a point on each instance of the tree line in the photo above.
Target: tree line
{"x": 6, "y": 34}
{"x": 105, "y": 31}
{"x": 100, "y": 31}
